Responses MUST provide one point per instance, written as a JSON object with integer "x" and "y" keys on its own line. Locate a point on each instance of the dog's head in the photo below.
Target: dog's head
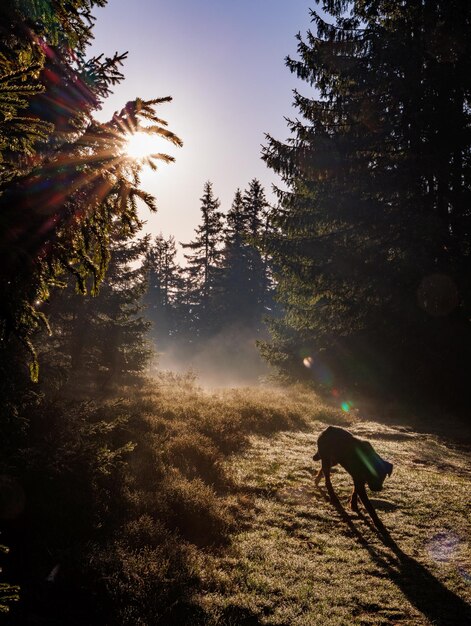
{"x": 378, "y": 472}
{"x": 374, "y": 468}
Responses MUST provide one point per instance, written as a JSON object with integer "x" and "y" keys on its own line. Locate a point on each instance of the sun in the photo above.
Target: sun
{"x": 140, "y": 145}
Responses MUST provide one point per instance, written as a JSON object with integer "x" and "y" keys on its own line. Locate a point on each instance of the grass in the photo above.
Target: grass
{"x": 297, "y": 560}
{"x": 198, "y": 508}
{"x": 289, "y": 557}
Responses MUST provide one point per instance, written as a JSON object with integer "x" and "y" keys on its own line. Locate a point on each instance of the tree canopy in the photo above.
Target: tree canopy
{"x": 372, "y": 236}
{"x": 64, "y": 177}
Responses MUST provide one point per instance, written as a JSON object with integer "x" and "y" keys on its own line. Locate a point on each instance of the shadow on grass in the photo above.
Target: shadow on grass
{"x": 383, "y": 505}
{"x": 426, "y": 593}
{"x": 192, "y": 615}
{"x": 239, "y": 616}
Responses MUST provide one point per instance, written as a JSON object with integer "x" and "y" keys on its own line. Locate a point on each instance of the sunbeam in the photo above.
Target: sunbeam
{"x": 140, "y": 145}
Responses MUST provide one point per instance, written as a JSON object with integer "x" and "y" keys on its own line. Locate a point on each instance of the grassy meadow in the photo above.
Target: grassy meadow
{"x": 298, "y": 560}
{"x": 198, "y": 507}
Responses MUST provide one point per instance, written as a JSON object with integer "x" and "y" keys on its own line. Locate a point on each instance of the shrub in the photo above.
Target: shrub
{"x": 195, "y": 511}
{"x": 127, "y": 497}
{"x": 196, "y": 456}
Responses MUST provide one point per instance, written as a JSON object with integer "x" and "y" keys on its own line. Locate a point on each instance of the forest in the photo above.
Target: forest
{"x": 162, "y": 399}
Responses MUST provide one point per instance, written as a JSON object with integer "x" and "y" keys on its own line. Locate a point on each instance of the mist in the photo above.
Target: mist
{"x": 229, "y": 359}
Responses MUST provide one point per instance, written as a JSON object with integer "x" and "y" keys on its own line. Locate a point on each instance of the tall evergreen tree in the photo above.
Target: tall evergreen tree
{"x": 165, "y": 284}
{"x": 64, "y": 178}
{"x": 372, "y": 239}
{"x": 256, "y": 214}
{"x": 244, "y": 285}
{"x": 255, "y": 205}
{"x": 234, "y": 301}
{"x": 204, "y": 260}
{"x": 99, "y": 342}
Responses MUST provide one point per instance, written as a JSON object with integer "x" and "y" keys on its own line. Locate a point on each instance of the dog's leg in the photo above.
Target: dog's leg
{"x": 369, "y": 507}
{"x": 354, "y": 499}
{"x": 318, "y": 477}
{"x": 326, "y": 466}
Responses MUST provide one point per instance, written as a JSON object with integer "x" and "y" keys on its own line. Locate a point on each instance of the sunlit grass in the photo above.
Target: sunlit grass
{"x": 286, "y": 555}
{"x": 297, "y": 561}
{"x": 214, "y": 517}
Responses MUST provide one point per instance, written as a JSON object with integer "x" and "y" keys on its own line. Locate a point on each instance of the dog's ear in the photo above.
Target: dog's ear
{"x": 316, "y": 457}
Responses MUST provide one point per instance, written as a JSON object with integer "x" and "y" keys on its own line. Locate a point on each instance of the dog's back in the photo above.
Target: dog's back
{"x": 358, "y": 457}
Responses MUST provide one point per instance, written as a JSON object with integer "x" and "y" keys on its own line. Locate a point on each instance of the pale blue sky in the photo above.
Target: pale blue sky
{"x": 223, "y": 63}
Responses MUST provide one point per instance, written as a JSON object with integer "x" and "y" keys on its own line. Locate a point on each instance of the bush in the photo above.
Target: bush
{"x": 144, "y": 573}
{"x": 196, "y": 456}
{"x": 195, "y": 511}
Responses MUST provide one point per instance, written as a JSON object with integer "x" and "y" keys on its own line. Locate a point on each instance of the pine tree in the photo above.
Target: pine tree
{"x": 373, "y": 209}
{"x": 99, "y": 342}
{"x": 165, "y": 284}
{"x": 64, "y": 178}
{"x": 203, "y": 267}
{"x": 123, "y": 347}
{"x": 243, "y": 290}
{"x": 234, "y": 300}
{"x": 256, "y": 214}
{"x": 255, "y": 206}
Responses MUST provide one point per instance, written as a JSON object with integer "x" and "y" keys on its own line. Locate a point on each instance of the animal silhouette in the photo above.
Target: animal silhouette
{"x": 338, "y": 446}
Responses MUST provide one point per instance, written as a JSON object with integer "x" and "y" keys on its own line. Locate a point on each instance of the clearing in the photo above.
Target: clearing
{"x": 297, "y": 560}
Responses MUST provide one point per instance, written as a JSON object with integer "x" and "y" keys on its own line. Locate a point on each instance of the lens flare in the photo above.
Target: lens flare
{"x": 448, "y": 548}
{"x": 308, "y": 362}
{"x": 366, "y": 462}
{"x": 443, "y": 547}
{"x": 346, "y": 406}
{"x": 140, "y": 145}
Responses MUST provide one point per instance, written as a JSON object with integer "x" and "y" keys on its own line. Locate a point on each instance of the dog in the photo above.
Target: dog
{"x": 338, "y": 446}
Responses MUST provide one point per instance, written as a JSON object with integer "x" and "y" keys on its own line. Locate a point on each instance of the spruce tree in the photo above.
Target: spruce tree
{"x": 99, "y": 342}
{"x": 234, "y": 298}
{"x": 372, "y": 235}
{"x": 244, "y": 285}
{"x": 204, "y": 261}
{"x": 256, "y": 215}
{"x": 164, "y": 286}
{"x": 64, "y": 178}
{"x": 123, "y": 348}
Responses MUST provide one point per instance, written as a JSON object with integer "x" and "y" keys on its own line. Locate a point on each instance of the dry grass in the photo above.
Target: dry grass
{"x": 299, "y": 561}
{"x": 290, "y": 557}
{"x": 181, "y": 505}
{"x": 211, "y": 517}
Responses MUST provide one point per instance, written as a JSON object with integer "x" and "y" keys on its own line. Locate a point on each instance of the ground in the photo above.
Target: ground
{"x": 297, "y": 560}
{"x": 174, "y": 505}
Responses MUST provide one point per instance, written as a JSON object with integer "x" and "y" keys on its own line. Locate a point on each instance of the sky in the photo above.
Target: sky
{"x": 223, "y": 62}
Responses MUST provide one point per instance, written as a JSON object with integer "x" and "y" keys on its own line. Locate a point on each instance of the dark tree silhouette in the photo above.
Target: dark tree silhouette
{"x": 99, "y": 342}
{"x": 204, "y": 262}
{"x": 256, "y": 211}
{"x": 164, "y": 295}
{"x": 233, "y": 299}
{"x": 64, "y": 178}
{"x": 372, "y": 236}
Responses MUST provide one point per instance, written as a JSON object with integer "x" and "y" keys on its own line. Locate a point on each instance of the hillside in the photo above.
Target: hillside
{"x": 178, "y": 506}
